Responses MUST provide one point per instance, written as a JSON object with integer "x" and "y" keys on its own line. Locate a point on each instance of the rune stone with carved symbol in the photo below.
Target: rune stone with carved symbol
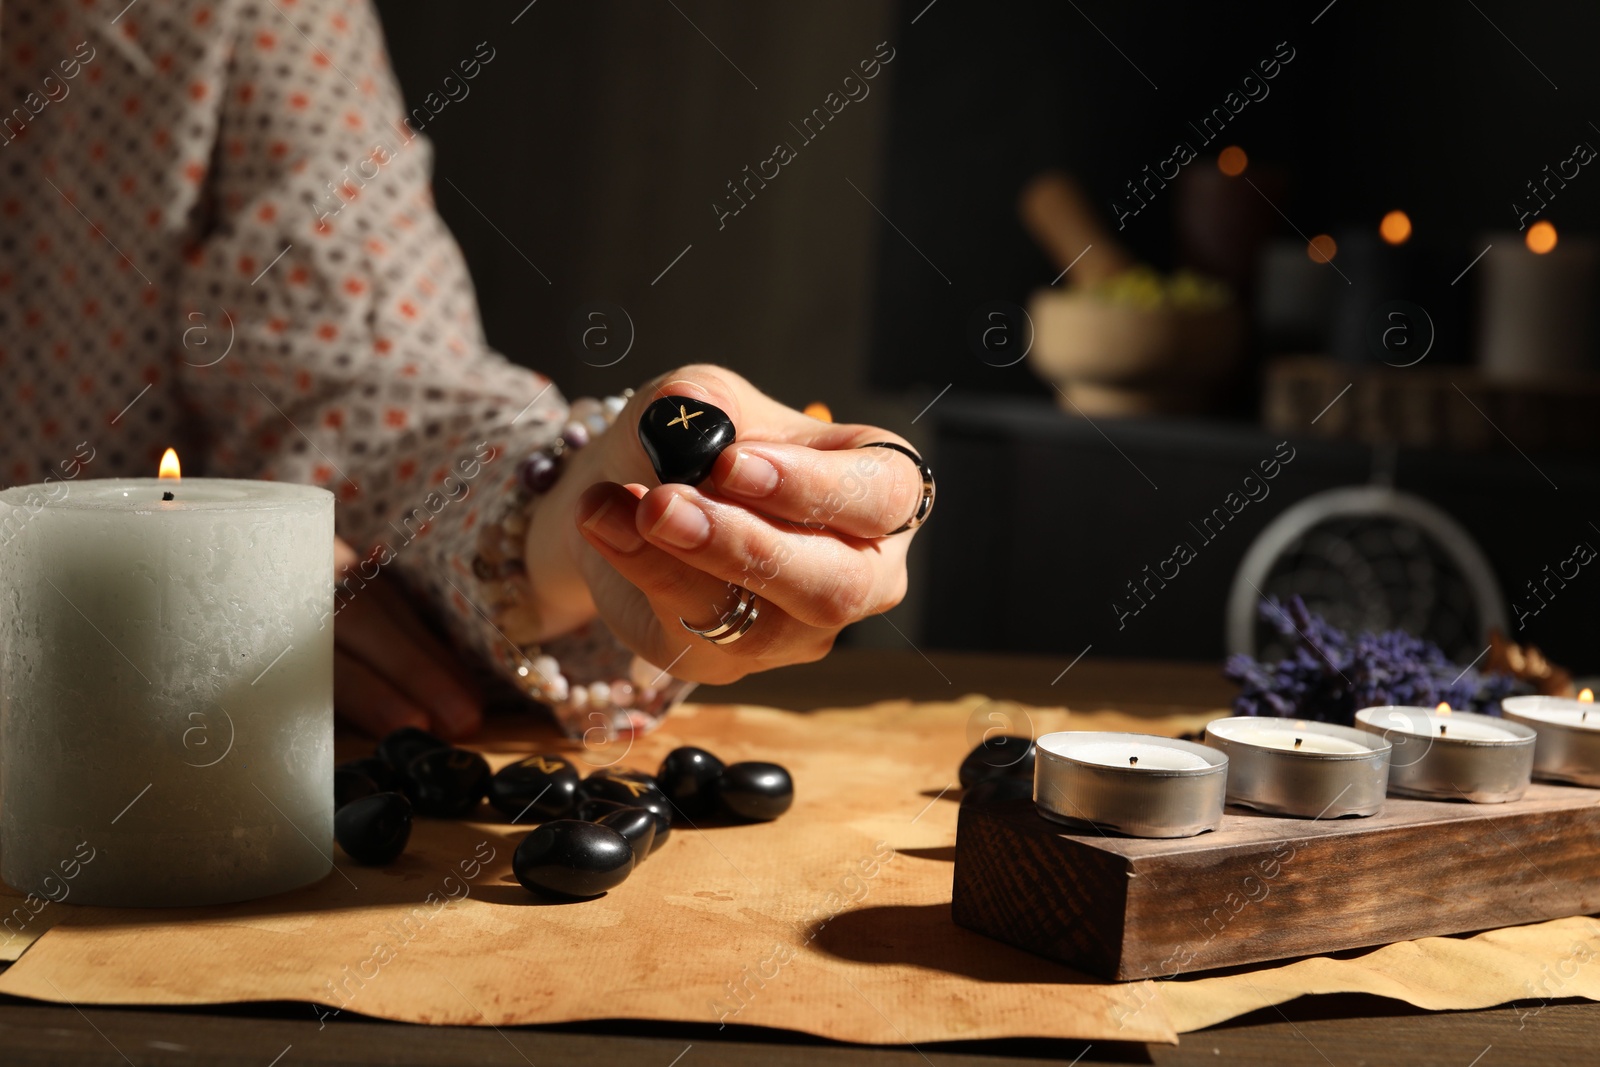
{"x": 683, "y": 437}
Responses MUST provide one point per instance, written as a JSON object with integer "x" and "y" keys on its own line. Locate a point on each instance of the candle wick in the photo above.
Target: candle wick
{"x": 1442, "y": 729}
{"x": 1297, "y": 742}
{"x": 1133, "y": 761}
{"x": 167, "y": 495}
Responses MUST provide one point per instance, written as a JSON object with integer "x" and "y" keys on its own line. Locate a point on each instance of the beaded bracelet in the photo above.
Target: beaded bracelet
{"x": 639, "y": 693}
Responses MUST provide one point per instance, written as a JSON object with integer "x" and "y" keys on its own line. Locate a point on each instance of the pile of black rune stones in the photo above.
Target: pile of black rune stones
{"x": 593, "y": 831}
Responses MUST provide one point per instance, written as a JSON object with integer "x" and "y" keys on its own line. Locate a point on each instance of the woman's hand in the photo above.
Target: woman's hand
{"x": 388, "y": 670}
{"x": 794, "y": 511}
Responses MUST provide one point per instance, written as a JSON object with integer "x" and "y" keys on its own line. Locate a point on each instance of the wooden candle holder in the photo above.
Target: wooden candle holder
{"x": 1266, "y": 888}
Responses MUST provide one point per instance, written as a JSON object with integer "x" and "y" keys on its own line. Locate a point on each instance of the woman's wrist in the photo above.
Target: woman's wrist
{"x": 537, "y": 589}
{"x": 540, "y": 602}
{"x": 558, "y": 597}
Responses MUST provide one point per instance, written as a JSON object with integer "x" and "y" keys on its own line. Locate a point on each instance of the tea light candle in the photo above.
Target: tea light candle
{"x": 1306, "y": 769}
{"x": 167, "y": 676}
{"x": 1568, "y": 746}
{"x": 1135, "y": 784}
{"x": 1441, "y": 754}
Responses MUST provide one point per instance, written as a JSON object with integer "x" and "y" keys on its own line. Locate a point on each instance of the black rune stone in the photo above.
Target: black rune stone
{"x": 688, "y": 776}
{"x": 1001, "y": 756}
{"x": 373, "y": 830}
{"x": 447, "y": 783}
{"x": 633, "y": 788}
{"x": 535, "y": 789}
{"x": 572, "y": 860}
{"x": 637, "y": 827}
{"x": 601, "y": 810}
{"x": 595, "y": 810}
{"x": 683, "y": 437}
{"x": 755, "y": 791}
{"x": 406, "y": 744}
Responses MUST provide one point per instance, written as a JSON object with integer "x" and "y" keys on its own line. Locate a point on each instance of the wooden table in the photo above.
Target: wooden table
{"x": 1340, "y": 1030}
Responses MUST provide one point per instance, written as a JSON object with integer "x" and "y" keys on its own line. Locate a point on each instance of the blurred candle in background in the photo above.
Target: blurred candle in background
{"x": 1394, "y": 303}
{"x": 1222, "y": 216}
{"x": 1535, "y": 316}
{"x": 1294, "y": 299}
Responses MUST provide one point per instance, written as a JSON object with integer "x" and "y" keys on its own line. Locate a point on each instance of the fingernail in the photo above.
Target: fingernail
{"x": 614, "y": 528}
{"x": 682, "y": 525}
{"x": 751, "y": 475}
{"x": 694, "y": 389}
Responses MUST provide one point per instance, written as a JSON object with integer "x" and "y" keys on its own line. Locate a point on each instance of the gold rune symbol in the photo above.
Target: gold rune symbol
{"x": 684, "y": 416}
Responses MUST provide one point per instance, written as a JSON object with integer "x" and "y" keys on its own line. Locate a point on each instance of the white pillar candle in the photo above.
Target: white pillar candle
{"x": 1536, "y": 310}
{"x": 1568, "y": 747}
{"x": 167, "y": 674}
{"x": 1302, "y": 768}
{"x": 1136, "y": 784}
{"x": 1444, "y": 755}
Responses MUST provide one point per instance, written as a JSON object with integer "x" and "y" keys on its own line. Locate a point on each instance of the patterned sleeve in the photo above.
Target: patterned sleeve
{"x": 358, "y": 361}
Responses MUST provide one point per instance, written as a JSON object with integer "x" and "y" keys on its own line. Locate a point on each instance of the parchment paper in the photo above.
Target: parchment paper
{"x": 834, "y": 920}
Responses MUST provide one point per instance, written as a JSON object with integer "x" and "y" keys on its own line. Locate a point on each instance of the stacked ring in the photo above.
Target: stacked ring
{"x": 733, "y": 626}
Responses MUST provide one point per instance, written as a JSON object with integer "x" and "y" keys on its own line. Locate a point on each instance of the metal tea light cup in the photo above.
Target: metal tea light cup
{"x": 1568, "y": 746}
{"x": 1485, "y": 760}
{"x": 1300, "y": 781}
{"x": 1141, "y": 802}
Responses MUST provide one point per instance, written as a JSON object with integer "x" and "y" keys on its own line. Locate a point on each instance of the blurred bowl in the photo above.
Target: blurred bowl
{"x": 1116, "y": 359}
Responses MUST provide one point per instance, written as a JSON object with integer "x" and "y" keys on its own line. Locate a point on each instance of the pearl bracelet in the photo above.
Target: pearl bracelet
{"x": 639, "y": 693}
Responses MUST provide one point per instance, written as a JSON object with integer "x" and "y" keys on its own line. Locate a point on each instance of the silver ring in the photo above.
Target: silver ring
{"x": 925, "y": 505}
{"x": 732, "y": 626}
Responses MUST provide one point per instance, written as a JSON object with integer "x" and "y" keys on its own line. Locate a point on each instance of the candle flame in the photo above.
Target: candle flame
{"x": 1322, "y": 248}
{"x": 818, "y": 410}
{"x": 1395, "y": 227}
{"x": 1541, "y": 237}
{"x": 1442, "y": 709}
{"x": 1586, "y": 697}
{"x": 169, "y": 465}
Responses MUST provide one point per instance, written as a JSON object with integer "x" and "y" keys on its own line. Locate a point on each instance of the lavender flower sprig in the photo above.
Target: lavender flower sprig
{"x": 1329, "y": 677}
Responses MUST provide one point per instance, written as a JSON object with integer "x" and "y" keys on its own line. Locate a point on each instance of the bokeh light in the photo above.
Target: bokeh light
{"x": 1395, "y": 227}
{"x": 818, "y": 410}
{"x": 1541, "y": 237}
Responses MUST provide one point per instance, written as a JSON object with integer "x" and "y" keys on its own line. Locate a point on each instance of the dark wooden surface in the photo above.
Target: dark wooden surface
{"x": 1344, "y": 1031}
{"x": 1262, "y": 888}
{"x": 859, "y": 676}
{"x": 1341, "y": 1030}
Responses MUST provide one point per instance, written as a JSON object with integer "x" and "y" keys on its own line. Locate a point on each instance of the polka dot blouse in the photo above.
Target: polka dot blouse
{"x": 217, "y": 233}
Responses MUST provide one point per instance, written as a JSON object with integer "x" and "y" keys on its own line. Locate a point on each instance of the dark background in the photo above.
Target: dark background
{"x": 596, "y": 141}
